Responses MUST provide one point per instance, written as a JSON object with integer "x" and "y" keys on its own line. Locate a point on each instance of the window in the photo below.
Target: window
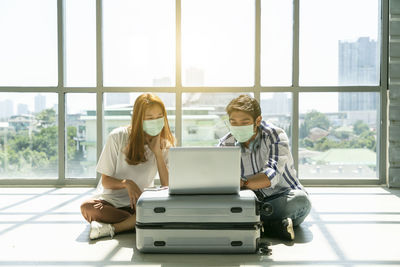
{"x": 314, "y": 65}
{"x": 338, "y": 140}
{"x": 81, "y": 135}
{"x": 276, "y": 108}
{"x": 139, "y": 43}
{"x": 28, "y": 47}
{"x": 80, "y": 43}
{"x": 276, "y": 42}
{"x": 343, "y": 47}
{"x": 218, "y": 42}
{"x": 28, "y": 135}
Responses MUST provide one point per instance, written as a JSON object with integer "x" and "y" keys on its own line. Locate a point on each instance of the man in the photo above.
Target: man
{"x": 267, "y": 167}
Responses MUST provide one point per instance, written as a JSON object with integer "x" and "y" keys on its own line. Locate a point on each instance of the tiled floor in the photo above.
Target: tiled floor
{"x": 347, "y": 227}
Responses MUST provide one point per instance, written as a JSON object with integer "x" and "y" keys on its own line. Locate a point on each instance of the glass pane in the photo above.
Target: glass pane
{"x": 28, "y": 46}
{"x": 139, "y": 43}
{"x": 339, "y": 47}
{"x": 204, "y": 117}
{"x": 218, "y": 42}
{"x": 80, "y": 43}
{"x": 118, "y": 110}
{"x": 338, "y": 135}
{"x": 28, "y": 135}
{"x": 276, "y": 42}
{"x": 81, "y": 133}
{"x": 276, "y": 108}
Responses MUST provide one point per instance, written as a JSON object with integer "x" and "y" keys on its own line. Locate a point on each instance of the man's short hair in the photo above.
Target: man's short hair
{"x": 246, "y": 104}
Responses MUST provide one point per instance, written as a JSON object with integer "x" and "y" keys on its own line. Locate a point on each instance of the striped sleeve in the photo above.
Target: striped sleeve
{"x": 279, "y": 154}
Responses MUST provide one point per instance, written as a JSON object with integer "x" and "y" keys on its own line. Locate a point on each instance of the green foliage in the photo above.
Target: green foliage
{"x": 360, "y": 127}
{"x": 363, "y": 137}
{"x": 308, "y": 143}
{"x": 71, "y": 143}
{"x": 47, "y": 117}
{"x": 325, "y": 144}
{"x": 313, "y": 119}
{"x": 20, "y": 141}
{"x": 341, "y": 135}
{"x": 36, "y": 151}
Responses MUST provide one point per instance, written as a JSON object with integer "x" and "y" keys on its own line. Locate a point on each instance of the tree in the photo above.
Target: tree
{"x": 359, "y": 127}
{"x": 325, "y": 144}
{"x": 71, "y": 143}
{"x": 313, "y": 119}
{"x": 47, "y": 117}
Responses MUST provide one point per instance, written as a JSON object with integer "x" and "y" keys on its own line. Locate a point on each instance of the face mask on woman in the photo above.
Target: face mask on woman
{"x": 153, "y": 127}
{"x": 242, "y": 133}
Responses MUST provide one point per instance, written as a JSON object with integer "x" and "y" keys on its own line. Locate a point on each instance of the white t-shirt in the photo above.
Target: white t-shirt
{"x": 112, "y": 163}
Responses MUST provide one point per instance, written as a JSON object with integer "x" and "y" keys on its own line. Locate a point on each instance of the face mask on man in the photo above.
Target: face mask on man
{"x": 153, "y": 127}
{"x": 242, "y": 133}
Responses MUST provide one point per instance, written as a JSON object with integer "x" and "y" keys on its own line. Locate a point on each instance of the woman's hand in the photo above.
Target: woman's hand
{"x": 154, "y": 144}
{"x": 134, "y": 192}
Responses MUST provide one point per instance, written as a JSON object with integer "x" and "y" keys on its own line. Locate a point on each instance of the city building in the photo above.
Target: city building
{"x": 6, "y": 109}
{"x": 40, "y": 103}
{"x": 22, "y": 109}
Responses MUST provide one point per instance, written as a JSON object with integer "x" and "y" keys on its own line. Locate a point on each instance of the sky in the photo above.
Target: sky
{"x": 139, "y": 43}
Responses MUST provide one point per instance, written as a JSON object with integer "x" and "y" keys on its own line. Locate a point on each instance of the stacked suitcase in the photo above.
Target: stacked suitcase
{"x": 198, "y": 223}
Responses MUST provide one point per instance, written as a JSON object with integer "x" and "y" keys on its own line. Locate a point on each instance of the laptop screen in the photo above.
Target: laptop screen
{"x": 204, "y": 170}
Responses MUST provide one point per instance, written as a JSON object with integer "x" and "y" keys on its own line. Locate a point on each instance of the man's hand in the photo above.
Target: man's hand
{"x": 133, "y": 191}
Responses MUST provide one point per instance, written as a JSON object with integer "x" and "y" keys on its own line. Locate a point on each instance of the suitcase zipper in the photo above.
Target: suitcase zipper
{"x": 200, "y": 226}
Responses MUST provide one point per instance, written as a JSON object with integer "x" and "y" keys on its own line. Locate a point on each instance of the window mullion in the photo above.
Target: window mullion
{"x": 99, "y": 80}
{"x": 178, "y": 74}
{"x": 295, "y": 82}
{"x": 60, "y": 89}
{"x": 257, "y": 58}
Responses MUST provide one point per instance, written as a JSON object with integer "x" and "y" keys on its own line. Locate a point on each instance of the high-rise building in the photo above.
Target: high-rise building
{"x": 358, "y": 65}
{"x": 6, "y": 108}
{"x": 280, "y": 103}
{"x": 40, "y": 103}
{"x": 358, "y": 101}
{"x": 22, "y": 109}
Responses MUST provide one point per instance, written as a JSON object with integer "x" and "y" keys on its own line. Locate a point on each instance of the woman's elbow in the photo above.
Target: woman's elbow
{"x": 104, "y": 180}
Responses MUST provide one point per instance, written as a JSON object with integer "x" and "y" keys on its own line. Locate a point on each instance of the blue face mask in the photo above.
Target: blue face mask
{"x": 242, "y": 133}
{"x": 153, "y": 127}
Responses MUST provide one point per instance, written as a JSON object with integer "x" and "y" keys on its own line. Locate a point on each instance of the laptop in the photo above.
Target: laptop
{"x": 204, "y": 170}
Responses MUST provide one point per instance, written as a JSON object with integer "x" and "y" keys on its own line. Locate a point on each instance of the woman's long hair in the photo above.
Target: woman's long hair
{"x": 134, "y": 150}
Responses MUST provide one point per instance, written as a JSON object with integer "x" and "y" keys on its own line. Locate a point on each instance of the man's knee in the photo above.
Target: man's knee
{"x": 302, "y": 207}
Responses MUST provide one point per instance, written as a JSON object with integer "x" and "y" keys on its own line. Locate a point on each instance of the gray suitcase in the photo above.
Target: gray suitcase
{"x": 198, "y": 223}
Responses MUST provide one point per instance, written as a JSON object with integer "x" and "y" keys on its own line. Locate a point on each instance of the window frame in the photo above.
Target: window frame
{"x": 178, "y": 89}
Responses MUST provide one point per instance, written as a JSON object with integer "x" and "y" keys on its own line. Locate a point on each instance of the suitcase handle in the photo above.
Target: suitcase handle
{"x": 159, "y": 210}
{"x": 159, "y": 243}
{"x": 236, "y": 210}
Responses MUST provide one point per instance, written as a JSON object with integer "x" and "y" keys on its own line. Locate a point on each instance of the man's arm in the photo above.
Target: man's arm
{"x": 278, "y": 157}
{"x": 260, "y": 180}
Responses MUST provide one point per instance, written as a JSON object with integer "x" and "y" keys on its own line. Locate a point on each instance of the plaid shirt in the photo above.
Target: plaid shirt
{"x": 270, "y": 154}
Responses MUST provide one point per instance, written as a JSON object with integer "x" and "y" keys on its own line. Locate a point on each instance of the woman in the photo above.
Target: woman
{"x": 128, "y": 164}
